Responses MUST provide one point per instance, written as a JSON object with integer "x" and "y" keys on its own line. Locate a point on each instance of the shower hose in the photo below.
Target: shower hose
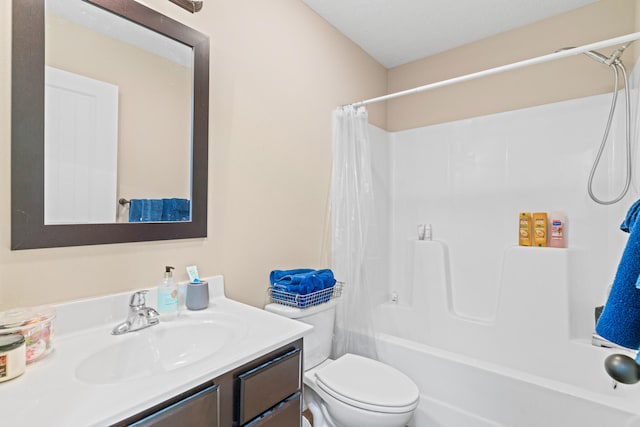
{"x": 617, "y": 67}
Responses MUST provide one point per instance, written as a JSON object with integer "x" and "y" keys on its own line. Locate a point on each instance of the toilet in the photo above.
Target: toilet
{"x": 350, "y": 391}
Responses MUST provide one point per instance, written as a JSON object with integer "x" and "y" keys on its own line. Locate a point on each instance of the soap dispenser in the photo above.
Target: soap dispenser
{"x": 168, "y": 296}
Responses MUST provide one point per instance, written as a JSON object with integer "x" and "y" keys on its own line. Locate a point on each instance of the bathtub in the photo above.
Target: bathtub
{"x": 459, "y": 391}
{"x": 524, "y": 367}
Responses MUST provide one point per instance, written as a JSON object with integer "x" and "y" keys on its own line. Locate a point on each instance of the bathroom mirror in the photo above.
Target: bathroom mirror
{"x": 153, "y": 130}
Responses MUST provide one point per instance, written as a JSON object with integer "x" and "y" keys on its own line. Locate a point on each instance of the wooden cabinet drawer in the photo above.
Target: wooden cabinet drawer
{"x": 198, "y": 410}
{"x": 268, "y": 384}
{"x": 286, "y": 414}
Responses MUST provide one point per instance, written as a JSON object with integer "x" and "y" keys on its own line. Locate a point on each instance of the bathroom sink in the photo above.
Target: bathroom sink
{"x": 158, "y": 349}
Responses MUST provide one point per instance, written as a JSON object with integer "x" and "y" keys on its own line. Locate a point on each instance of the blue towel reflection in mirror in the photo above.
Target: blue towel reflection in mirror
{"x": 159, "y": 210}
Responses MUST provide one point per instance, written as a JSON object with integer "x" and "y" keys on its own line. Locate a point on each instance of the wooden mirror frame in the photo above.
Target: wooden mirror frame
{"x": 28, "y": 230}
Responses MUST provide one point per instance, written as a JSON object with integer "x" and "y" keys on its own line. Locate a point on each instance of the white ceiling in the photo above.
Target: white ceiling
{"x": 395, "y": 32}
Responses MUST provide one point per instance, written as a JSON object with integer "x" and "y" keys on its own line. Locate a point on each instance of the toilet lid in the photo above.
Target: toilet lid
{"x": 368, "y": 384}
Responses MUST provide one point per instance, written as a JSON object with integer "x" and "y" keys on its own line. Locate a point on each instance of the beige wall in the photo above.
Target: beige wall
{"x": 277, "y": 72}
{"x": 535, "y": 85}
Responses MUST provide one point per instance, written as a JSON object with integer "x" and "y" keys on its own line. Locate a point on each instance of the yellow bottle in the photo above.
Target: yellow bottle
{"x": 540, "y": 229}
{"x": 525, "y": 229}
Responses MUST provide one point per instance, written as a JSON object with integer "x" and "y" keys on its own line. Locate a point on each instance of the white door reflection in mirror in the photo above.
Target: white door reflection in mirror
{"x": 81, "y": 149}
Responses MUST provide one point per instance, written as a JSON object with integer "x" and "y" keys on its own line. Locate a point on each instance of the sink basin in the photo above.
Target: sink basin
{"x": 157, "y": 349}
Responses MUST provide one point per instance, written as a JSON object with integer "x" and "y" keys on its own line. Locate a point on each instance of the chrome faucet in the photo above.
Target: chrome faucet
{"x": 140, "y": 316}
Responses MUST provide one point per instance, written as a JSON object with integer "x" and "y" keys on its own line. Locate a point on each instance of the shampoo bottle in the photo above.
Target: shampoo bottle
{"x": 540, "y": 229}
{"x": 557, "y": 230}
{"x": 525, "y": 229}
{"x": 168, "y": 296}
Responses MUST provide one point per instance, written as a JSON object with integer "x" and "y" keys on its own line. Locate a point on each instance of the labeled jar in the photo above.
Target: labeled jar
{"x": 13, "y": 360}
{"x": 35, "y": 324}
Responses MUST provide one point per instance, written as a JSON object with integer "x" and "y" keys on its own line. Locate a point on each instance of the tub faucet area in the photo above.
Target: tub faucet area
{"x": 598, "y": 341}
{"x": 140, "y": 316}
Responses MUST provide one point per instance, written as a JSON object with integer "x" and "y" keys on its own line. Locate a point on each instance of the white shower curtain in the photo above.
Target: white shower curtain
{"x": 351, "y": 212}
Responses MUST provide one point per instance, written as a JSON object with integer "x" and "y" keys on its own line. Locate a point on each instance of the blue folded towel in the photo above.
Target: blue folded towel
{"x": 301, "y": 281}
{"x": 620, "y": 319}
{"x": 157, "y": 210}
{"x": 277, "y": 275}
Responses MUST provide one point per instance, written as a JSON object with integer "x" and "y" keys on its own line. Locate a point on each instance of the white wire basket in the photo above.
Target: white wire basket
{"x": 305, "y": 301}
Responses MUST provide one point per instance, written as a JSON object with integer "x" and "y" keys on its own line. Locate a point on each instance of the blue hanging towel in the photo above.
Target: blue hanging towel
{"x": 176, "y": 210}
{"x": 620, "y": 319}
{"x": 152, "y": 210}
{"x": 631, "y": 217}
{"x": 135, "y": 210}
{"x": 145, "y": 210}
{"x": 159, "y": 210}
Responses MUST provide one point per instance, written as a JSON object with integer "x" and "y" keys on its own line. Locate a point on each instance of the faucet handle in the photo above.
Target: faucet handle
{"x": 138, "y": 299}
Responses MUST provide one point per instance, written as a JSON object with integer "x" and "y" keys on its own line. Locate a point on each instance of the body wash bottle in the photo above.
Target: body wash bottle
{"x": 168, "y": 296}
{"x": 557, "y": 229}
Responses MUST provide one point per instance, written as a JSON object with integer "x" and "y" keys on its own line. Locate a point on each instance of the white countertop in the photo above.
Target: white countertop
{"x": 50, "y": 393}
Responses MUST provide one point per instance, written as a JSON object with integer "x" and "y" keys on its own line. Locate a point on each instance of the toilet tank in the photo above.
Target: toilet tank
{"x": 317, "y": 342}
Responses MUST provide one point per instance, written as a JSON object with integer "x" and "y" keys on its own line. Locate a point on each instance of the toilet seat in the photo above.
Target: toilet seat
{"x": 368, "y": 384}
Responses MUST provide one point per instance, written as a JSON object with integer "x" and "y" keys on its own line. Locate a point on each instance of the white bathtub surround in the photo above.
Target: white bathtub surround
{"x": 461, "y": 391}
{"x": 351, "y": 214}
{"x": 531, "y": 328}
{"x": 469, "y": 179}
{"x": 475, "y": 312}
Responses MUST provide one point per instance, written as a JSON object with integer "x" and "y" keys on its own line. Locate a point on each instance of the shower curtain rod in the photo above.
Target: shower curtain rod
{"x": 503, "y": 68}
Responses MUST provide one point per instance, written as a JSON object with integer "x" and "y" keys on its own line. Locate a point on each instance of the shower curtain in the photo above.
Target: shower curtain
{"x": 351, "y": 212}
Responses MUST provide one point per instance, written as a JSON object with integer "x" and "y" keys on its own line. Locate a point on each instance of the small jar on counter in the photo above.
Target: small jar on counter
{"x": 13, "y": 358}
{"x": 35, "y": 324}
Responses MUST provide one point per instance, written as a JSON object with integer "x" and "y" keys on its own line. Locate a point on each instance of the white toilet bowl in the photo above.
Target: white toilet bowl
{"x": 351, "y": 391}
{"x": 355, "y": 391}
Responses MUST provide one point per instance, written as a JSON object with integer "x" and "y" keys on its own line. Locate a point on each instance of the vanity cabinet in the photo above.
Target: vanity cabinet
{"x": 197, "y": 407}
{"x": 266, "y": 392}
{"x": 201, "y": 408}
